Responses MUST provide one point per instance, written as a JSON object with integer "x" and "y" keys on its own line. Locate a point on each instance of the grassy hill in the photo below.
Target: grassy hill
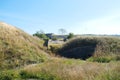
{"x": 18, "y": 48}
{"x": 85, "y": 47}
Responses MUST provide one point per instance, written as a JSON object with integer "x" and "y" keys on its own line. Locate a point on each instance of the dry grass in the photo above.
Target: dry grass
{"x": 18, "y": 48}
{"x": 70, "y": 69}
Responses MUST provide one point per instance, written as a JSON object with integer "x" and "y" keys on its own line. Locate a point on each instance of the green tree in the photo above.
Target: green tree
{"x": 71, "y": 35}
{"x": 40, "y": 34}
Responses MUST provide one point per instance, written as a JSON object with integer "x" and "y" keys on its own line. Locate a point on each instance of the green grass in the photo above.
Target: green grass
{"x": 104, "y": 59}
{"x": 9, "y": 75}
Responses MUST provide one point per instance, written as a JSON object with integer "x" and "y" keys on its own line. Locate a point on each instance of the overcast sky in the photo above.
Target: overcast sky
{"x": 77, "y": 16}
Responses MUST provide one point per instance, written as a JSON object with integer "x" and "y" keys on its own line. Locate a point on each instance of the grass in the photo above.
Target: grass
{"x": 86, "y": 47}
{"x": 71, "y": 69}
{"x": 17, "y": 48}
{"x": 104, "y": 59}
{"x": 54, "y": 47}
{"x": 65, "y": 69}
{"x": 9, "y": 75}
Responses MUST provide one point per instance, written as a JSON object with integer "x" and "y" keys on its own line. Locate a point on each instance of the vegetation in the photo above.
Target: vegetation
{"x": 22, "y": 57}
{"x": 71, "y": 35}
{"x": 41, "y": 35}
{"x": 66, "y": 69}
{"x": 9, "y": 75}
{"x": 54, "y": 47}
{"x": 18, "y": 48}
{"x": 85, "y": 47}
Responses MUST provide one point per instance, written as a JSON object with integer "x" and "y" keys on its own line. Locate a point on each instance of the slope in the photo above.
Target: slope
{"x": 17, "y": 48}
{"x": 85, "y": 47}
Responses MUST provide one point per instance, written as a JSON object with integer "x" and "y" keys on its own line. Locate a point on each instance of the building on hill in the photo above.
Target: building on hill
{"x": 61, "y": 36}
{"x": 50, "y": 35}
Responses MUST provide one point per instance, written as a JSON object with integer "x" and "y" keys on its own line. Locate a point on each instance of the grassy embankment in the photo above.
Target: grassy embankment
{"x": 101, "y": 49}
{"x": 17, "y": 48}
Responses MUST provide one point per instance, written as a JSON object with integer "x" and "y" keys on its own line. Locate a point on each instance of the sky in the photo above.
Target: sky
{"x": 76, "y": 16}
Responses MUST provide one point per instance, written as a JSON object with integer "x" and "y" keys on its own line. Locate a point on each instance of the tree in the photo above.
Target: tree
{"x": 62, "y": 31}
{"x": 40, "y": 34}
{"x": 71, "y": 35}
